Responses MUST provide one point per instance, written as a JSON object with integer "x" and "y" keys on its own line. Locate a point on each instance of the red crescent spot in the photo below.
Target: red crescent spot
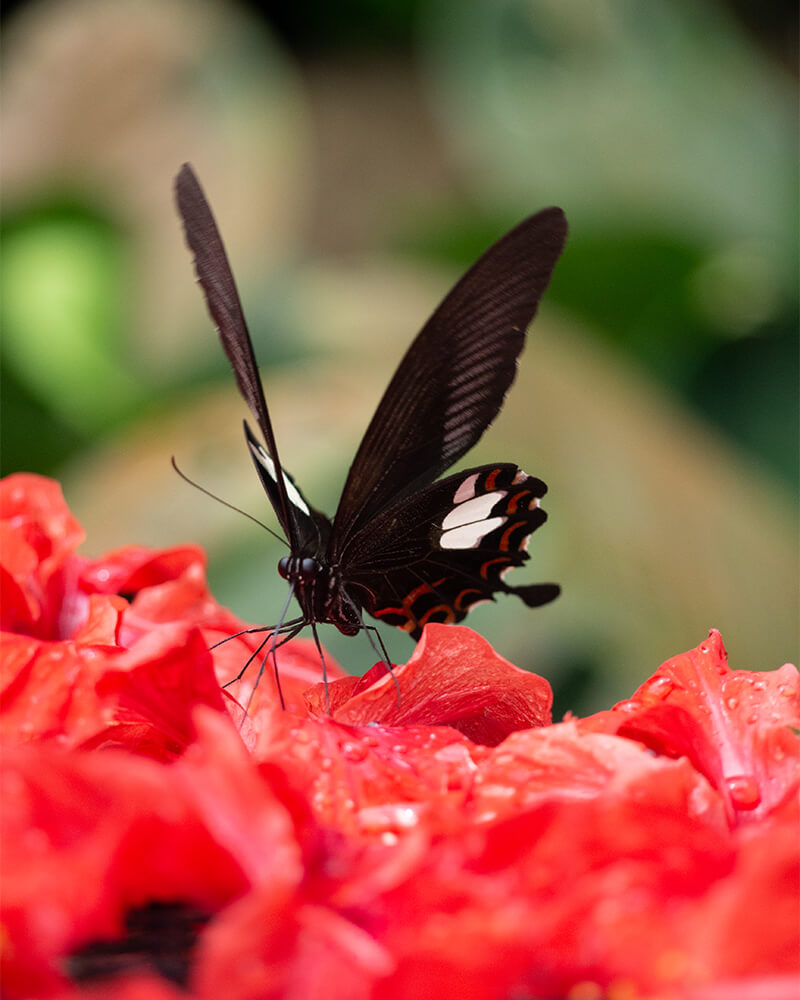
{"x": 513, "y": 503}
{"x": 504, "y": 540}
{"x": 469, "y": 590}
{"x": 491, "y": 562}
{"x": 439, "y": 607}
{"x": 490, "y": 479}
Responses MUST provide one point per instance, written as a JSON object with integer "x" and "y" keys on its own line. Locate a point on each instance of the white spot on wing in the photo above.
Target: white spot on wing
{"x": 266, "y": 463}
{"x": 466, "y": 491}
{"x": 472, "y": 510}
{"x": 470, "y": 536}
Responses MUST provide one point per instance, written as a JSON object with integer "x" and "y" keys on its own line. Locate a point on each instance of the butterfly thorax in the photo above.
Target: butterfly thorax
{"x": 320, "y": 593}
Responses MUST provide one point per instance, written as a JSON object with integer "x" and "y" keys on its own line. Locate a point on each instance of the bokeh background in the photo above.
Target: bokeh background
{"x": 358, "y": 156}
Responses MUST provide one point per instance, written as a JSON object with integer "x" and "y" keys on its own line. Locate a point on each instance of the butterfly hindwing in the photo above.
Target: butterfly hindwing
{"x": 434, "y": 555}
{"x": 452, "y": 381}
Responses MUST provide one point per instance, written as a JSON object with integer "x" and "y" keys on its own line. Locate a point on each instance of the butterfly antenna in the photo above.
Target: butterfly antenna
{"x": 225, "y": 503}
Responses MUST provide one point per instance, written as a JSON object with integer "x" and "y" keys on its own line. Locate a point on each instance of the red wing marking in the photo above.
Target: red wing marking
{"x": 439, "y": 607}
{"x": 490, "y": 480}
{"x": 504, "y": 540}
{"x": 459, "y": 606}
{"x": 491, "y": 562}
{"x": 513, "y": 503}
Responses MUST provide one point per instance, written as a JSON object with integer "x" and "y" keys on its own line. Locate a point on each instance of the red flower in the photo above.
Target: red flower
{"x": 68, "y": 621}
{"x": 433, "y": 833}
{"x": 92, "y": 839}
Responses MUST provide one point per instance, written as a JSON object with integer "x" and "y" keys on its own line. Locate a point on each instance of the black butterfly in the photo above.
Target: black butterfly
{"x": 403, "y": 546}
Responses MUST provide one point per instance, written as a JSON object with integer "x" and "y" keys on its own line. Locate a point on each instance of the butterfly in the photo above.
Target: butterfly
{"x": 406, "y": 546}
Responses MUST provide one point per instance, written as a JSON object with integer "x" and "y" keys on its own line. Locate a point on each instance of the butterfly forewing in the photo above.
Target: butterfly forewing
{"x": 312, "y": 527}
{"x": 452, "y": 381}
{"x": 222, "y": 298}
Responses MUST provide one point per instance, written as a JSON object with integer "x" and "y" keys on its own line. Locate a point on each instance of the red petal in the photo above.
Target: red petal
{"x": 35, "y": 507}
{"x": 733, "y": 725}
{"x": 49, "y": 689}
{"x": 156, "y": 686}
{"x": 369, "y": 780}
{"x": 133, "y": 568}
{"x": 563, "y": 763}
{"x": 454, "y": 678}
{"x": 38, "y": 536}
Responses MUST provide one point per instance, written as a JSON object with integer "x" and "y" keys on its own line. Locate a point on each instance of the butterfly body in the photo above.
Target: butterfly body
{"x": 404, "y": 545}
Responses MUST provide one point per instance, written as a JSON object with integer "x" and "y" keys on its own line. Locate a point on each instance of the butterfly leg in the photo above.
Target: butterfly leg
{"x": 324, "y": 667}
{"x": 272, "y": 631}
{"x": 372, "y": 635}
{"x": 280, "y": 627}
{"x": 258, "y": 628}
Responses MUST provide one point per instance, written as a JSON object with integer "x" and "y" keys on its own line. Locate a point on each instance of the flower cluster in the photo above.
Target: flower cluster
{"x": 428, "y": 832}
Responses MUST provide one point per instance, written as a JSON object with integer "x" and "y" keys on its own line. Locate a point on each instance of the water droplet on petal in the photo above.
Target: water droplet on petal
{"x": 744, "y": 791}
{"x": 660, "y": 687}
{"x": 354, "y": 752}
{"x": 732, "y": 703}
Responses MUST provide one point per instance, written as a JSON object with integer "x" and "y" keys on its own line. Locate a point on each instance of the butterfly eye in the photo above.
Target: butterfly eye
{"x": 302, "y": 570}
{"x": 308, "y": 569}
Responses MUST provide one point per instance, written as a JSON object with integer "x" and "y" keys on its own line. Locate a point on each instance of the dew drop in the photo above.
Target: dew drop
{"x": 354, "y": 752}
{"x": 744, "y": 791}
{"x": 732, "y": 703}
{"x": 661, "y": 687}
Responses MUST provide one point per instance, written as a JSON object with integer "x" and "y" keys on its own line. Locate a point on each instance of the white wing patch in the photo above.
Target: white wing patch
{"x": 475, "y": 509}
{"x": 466, "y": 491}
{"x": 470, "y": 536}
{"x": 267, "y": 464}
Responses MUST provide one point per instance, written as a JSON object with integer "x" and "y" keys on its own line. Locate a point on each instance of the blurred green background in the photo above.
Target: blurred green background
{"x": 358, "y": 156}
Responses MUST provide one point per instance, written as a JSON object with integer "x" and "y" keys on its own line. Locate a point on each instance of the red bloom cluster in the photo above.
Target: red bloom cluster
{"x": 433, "y": 835}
